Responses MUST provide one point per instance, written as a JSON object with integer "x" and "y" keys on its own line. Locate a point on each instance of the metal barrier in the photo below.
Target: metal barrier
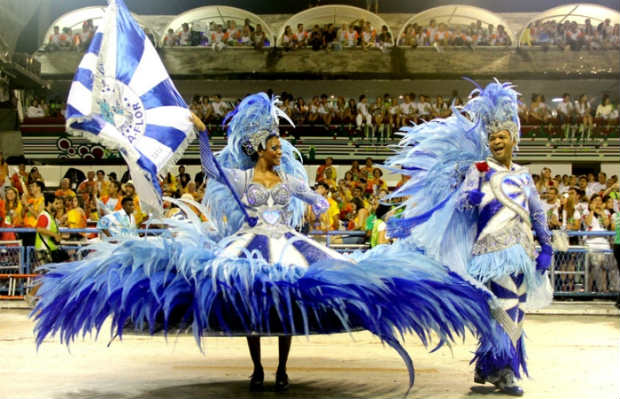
{"x": 580, "y": 271}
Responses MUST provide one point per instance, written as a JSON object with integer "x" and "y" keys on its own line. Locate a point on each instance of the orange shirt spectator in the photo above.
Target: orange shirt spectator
{"x": 33, "y": 204}
{"x": 65, "y": 189}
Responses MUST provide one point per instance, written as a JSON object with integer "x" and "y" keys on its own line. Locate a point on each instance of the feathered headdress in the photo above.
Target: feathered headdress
{"x": 495, "y": 108}
{"x": 249, "y": 125}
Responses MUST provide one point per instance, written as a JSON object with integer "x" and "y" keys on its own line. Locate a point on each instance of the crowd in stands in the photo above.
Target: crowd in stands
{"x": 574, "y": 119}
{"x": 81, "y": 200}
{"x": 66, "y": 39}
{"x": 332, "y": 37}
{"x": 218, "y": 36}
{"x": 39, "y": 107}
{"x": 357, "y": 204}
{"x": 570, "y": 35}
{"x": 443, "y": 34}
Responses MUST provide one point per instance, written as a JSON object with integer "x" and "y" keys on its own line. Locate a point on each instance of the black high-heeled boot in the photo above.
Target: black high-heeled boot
{"x": 256, "y": 380}
{"x": 281, "y": 381}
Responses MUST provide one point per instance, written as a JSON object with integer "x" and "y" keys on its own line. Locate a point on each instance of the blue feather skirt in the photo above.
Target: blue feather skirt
{"x": 231, "y": 288}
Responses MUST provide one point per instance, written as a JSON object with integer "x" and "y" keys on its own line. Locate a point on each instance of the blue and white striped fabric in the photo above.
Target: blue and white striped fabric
{"x": 290, "y": 249}
{"x": 122, "y": 96}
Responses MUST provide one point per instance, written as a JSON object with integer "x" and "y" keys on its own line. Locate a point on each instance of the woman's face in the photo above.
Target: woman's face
{"x": 74, "y": 202}
{"x": 348, "y": 176}
{"x": 377, "y": 173}
{"x": 272, "y": 152}
{"x": 10, "y": 195}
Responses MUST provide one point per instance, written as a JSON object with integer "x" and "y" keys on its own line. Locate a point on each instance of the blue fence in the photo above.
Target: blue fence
{"x": 582, "y": 270}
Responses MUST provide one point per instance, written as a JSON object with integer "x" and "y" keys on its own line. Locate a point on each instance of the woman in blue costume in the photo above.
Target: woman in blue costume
{"x": 249, "y": 273}
{"x": 470, "y": 207}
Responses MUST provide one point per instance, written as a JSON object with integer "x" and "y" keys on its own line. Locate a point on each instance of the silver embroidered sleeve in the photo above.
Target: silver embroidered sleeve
{"x": 471, "y": 182}
{"x": 301, "y": 190}
{"x": 538, "y": 218}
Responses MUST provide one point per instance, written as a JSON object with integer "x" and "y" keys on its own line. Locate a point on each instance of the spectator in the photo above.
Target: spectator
{"x": 35, "y": 110}
{"x": 539, "y": 112}
{"x": 316, "y": 39}
{"x": 65, "y": 189}
{"x": 110, "y": 202}
{"x": 184, "y": 37}
{"x": 551, "y": 207}
{"x": 245, "y": 37}
{"x": 120, "y": 223}
{"x": 233, "y": 33}
{"x": 259, "y": 38}
{"x": 367, "y": 171}
{"x": 220, "y": 109}
{"x": 219, "y": 39}
{"x": 48, "y": 238}
{"x": 33, "y": 204}
{"x": 325, "y": 110}
{"x": 130, "y": 191}
{"x": 101, "y": 184}
{"x": 4, "y": 174}
{"x": 19, "y": 178}
{"x": 88, "y": 186}
{"x": 76, "y": 217}
{"x": 328, "y": 165}
{"x": 375, "y": 183}
{"x": 384, "y": 40}
{"x": 170, "y": 39}
{"x": 363, "y": 118}
{"x": 605, "y": 111}
{"x": 351, "y": 37}
{"x": 367, "y": 39}
{"x": 566, "y": 116}
{"x": 408, "y": 37}
{"x": 288, "y": 39}
{"x": 584, "y": 116}
{"x": 11, "y": 213}
{"x": 301, "y": 36}
{"x": 597, "y": 219}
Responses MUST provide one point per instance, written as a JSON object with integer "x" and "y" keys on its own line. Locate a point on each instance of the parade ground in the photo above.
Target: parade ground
{"x": 570, "y": 356}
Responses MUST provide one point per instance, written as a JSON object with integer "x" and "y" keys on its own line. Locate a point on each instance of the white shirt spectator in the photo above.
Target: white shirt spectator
{"x": 595, "y": 188}
{"x": 596, "y": 242}
{"x": 185, "y": 38}
{"x": 351, "y": 37}
{"x": 565, "y": 108}
{"x": 407, "y": 108}
{"x": 550, "y": 209}
{"x": 220, "y": 108}
{"x": 366, "y": 37}
{"x": 582, "y": 109}
{"x": 35, "y": 111}
{"x": 362, "y": 108}
{"x": 424, "y": 108}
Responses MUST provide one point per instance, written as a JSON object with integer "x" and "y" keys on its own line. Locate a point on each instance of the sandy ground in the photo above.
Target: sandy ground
{"x": 570, "y": 356}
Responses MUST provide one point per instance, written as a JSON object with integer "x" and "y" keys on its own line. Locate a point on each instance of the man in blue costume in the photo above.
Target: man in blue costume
{"x": 501, "y": 193}
{"x": 477, "y": 217}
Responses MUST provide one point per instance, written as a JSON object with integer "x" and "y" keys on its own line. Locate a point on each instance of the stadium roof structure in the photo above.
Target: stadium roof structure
{"x": 457, "y": 14}
{"x": 74, "y": 19}
{"x": 578, "y": 13}
{"x": 332, "y": 14}
{"x": 199, "y": 18}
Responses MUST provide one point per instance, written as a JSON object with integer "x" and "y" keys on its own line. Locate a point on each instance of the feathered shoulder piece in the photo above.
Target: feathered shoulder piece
{"x": 436, "y": 156}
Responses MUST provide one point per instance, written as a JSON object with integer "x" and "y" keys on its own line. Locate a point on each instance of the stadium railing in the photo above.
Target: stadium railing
{"x": 571, "y": 272}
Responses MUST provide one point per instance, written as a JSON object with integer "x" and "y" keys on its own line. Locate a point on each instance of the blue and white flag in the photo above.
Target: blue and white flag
{"x": 122, "y": 97}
